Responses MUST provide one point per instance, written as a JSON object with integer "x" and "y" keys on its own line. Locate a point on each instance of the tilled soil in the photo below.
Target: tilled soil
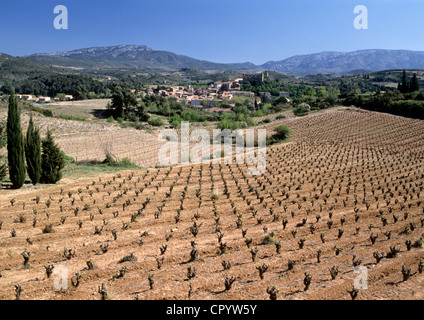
{"x": 362, "y": 171}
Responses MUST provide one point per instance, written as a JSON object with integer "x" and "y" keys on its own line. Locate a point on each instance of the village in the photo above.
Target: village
{"x": 32, "y": 98}
{"x": 216, "y": 98}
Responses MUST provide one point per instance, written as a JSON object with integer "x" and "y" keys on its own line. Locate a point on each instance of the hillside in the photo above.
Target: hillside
{"x": 131, "y": 57}
{"x": 16, "y": 69}
{"x": 344, "y": 192}
{"x": 395, "y": 76}
{"x": 145, "y": 58}
{"x": 128, "y": 62}
{"x": 344, "y": 62}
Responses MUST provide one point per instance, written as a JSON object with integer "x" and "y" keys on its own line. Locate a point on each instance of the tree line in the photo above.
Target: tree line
{"x": 393, "y": 102}
{"x": 81, "y": 87}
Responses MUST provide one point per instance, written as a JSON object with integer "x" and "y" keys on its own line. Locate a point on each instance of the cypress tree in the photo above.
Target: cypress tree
{"x": 3, "y": 172}
{"x": 33, "y": 152}
{"x": 414, "y": 85}
{"x": 52, "y": 160}
{"x": 404, "y": 85}
{"x": 3, "y": 142}
{"x": 15, "y": 143}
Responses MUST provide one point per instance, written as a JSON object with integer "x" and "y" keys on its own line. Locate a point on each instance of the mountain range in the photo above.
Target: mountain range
{"x": 131, "y": 57}
{"x": 145, "y": 58}
{"x": 344, "y": 62}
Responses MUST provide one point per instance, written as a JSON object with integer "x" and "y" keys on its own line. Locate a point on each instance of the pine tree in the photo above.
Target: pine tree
{"x": 15, "y": 144}
{"x": 123, "y": 101}
{"x": 33, "y": 152}
{"x": 52, "y": 160}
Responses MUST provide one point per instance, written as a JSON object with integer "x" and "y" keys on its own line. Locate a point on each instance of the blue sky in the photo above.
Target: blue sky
{"x": 214, "y": 30}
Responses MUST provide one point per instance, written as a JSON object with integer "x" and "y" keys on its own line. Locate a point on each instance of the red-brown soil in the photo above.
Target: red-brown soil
{"x": 338, "y": 162}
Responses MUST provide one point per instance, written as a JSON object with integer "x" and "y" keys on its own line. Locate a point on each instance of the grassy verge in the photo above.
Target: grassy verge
{"x": 73, "y": 171}
{"x": 84, "y": 170}
{"x": 69, "y": 117}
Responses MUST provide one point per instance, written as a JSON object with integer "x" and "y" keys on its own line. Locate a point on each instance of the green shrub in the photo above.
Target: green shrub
{"x": 175, "y": 121}
{"x": 110, "y": 119}
{"x": 44, "y": 112}
{"x": 302, "y": 109}
{"x": 230, "y": 124}
{"x": 258, "y": 113}
{"x": 420, "y": 96}
{"x": 120, "y": 120}
{"x": 156, "y": 122}
{"x": 126, "y": 162}
{"x": 282, "y": 132}
{"x": 109, "y": 160}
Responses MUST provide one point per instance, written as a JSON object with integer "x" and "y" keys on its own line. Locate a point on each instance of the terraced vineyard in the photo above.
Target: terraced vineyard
{"x": 346, "y": 191}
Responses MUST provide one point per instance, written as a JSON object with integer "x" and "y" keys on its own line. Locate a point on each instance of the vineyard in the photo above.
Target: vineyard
{"x": 76, "y": 138}
{"x": 347, "y": 191}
